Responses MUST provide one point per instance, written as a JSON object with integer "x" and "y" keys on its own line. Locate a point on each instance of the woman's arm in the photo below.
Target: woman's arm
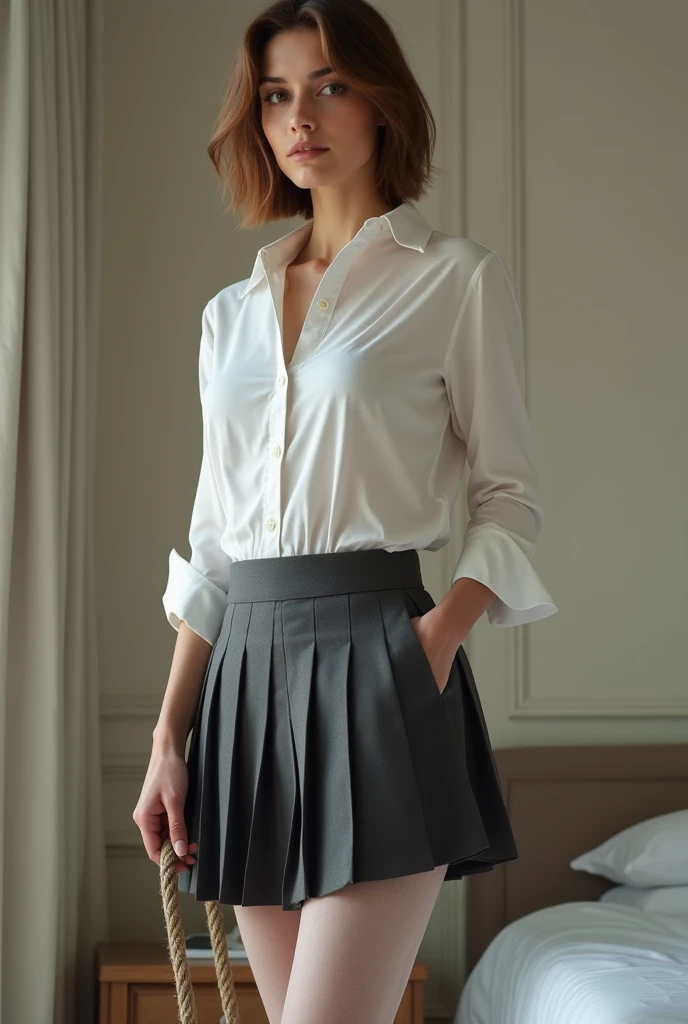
{"x": 484, "y": 373}
{"x": 460, "y": 609}
{"x": 189, "y": 662}
{"x": 197, "y": 587}
{"x": 195, "y": 599}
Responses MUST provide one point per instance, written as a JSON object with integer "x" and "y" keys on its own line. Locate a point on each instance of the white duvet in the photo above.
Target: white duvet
{"x": 582, "y": 963}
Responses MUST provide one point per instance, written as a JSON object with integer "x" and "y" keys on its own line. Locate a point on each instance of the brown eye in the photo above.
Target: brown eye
{"x": 275, "y": 92}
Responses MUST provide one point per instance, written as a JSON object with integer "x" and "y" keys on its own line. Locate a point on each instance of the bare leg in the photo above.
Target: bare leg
{"x": 269, "y": 935}
{"x": 355, "y": 950}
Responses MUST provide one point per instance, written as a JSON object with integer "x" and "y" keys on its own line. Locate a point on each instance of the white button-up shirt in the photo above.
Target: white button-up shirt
{"x": 409, "y": 363}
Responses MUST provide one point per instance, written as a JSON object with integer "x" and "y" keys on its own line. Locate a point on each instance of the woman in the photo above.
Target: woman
{"x": 340, "y": 767}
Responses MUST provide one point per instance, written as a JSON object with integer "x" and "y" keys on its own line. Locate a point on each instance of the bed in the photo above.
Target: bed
{"x": 541, "y": 948}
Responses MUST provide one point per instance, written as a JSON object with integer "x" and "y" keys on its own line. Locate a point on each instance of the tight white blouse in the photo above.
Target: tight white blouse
{"x": 409, "y": 363}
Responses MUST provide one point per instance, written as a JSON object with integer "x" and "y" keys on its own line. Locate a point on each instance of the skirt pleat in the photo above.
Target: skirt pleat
{"x": 318, "y": 662}
{"x": 324, "y": 753}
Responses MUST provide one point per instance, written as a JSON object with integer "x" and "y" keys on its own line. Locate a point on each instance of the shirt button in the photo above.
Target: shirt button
{"x": 281, "y": 380}
{"x": 277, "y": 451}
{"x": 270, "y": 525}
{"x": 323, "y": 303}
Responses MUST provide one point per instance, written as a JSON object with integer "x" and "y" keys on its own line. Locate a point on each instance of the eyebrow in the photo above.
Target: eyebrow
{"x": 313, "y": 74}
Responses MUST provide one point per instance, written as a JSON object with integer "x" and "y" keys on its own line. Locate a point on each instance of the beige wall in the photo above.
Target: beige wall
{"x": 560, "y": 138}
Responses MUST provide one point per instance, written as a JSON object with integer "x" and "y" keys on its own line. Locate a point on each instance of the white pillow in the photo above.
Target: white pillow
{"x": 665, "y": 899}
{"x": 653, "y": 852}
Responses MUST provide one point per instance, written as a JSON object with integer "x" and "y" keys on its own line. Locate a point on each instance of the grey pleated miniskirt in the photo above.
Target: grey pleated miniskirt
{"x": 323, "y": 751}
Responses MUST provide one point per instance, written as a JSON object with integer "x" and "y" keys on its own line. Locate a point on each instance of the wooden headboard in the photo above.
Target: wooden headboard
{"x": 562, "y": 801}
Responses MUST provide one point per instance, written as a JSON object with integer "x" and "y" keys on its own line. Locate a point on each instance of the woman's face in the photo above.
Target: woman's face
{"x": 322, "y": 109}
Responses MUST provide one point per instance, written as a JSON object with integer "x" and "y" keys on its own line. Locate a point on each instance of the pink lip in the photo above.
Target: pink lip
{"x": 302, "y": 154}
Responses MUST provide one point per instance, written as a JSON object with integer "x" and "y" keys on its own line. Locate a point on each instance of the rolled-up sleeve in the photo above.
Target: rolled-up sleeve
{"x": 485, "y": 380}
{"x": 197, "y": 587}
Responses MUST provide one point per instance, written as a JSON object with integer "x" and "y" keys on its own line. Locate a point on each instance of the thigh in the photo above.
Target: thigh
{"x": 356, "y": 948}
{"x": 269, "y": 936}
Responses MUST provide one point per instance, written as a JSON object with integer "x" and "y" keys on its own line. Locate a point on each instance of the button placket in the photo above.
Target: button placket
{"x": 321, "y": 312}
{"x": 272, "y": 498}
{"x": 313, "y": 331}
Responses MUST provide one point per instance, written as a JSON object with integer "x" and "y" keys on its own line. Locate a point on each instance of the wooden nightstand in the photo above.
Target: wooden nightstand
{"x": 137, "y": 987}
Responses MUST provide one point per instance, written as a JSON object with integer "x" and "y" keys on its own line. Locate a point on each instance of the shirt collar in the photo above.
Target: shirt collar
{"x": 407, "y": 224}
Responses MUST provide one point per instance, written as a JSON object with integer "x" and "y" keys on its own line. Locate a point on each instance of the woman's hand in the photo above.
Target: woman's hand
{"x": 440, "y": 647}
{"x": 159, "y": 812}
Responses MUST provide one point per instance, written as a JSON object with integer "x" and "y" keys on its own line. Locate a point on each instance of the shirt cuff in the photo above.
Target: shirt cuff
{"x": 493, "y": 557}
{"x": 191, "y": 596}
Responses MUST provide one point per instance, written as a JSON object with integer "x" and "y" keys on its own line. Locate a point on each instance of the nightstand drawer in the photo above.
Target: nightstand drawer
{"x": 139, "y": 1003}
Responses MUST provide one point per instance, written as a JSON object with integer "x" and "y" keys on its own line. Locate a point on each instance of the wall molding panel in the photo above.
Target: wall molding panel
{"x": 129, "y": 705}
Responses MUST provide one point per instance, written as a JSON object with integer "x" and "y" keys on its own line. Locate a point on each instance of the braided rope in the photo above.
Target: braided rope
{"x": 177, "y": 945}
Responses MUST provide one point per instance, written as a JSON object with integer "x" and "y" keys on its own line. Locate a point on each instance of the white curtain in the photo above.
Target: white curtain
{"x": 52, "y": 851}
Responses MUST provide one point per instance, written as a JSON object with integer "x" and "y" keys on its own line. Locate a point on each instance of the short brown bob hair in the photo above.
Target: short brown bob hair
{"x": 360, "y": 46}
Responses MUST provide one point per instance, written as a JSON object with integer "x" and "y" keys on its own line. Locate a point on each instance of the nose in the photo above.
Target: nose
{"x": 302, "y": 116}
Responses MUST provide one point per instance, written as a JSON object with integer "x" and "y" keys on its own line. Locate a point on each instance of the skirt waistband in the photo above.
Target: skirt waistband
{"x": 319, "y": 575}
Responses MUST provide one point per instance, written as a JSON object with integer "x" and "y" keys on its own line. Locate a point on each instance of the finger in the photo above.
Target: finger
{"x": 177, "y": 828}
{"x": 186, "y": 859}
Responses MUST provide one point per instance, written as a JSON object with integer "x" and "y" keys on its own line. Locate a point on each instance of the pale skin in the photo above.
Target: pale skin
{"x": 321, "y": 109}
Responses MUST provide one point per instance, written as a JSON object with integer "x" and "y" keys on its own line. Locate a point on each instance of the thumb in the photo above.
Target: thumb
{"x": 177, "y": 830}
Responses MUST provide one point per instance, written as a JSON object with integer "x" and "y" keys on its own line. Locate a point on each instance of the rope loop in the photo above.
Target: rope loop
{"x": 176, "y": 945}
